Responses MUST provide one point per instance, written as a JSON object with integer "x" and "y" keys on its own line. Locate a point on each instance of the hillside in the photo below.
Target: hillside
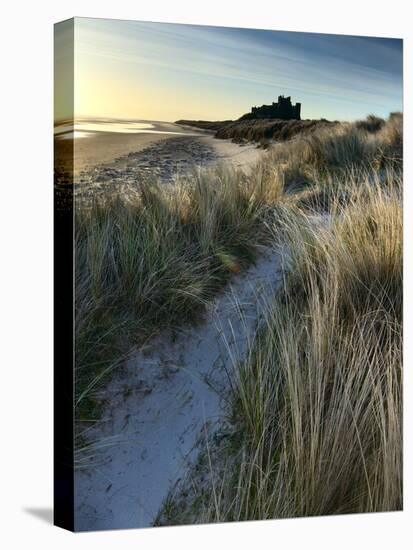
{"x": 258, "y": 130}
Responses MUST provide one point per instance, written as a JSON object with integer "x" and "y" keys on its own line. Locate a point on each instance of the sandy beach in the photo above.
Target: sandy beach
{"x": 90, "y": 149}
{"x": 125, "y": 159}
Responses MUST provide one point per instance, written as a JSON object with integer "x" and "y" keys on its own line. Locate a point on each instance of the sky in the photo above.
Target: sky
{"x": 162, "y": 71}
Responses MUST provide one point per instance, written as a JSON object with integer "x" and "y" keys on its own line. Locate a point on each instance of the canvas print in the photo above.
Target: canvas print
{"x": 228, "y": 274}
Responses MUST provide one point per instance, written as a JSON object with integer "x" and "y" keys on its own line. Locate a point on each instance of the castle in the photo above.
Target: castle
{"x": 283, "y": 109}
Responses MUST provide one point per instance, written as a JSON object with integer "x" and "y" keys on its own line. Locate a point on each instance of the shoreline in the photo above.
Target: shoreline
{"x": 120, "y": 161}
{"x": 101, "y": 147}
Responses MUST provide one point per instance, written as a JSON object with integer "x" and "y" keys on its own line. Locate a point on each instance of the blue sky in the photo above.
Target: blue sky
{"x": 160, "y": 71}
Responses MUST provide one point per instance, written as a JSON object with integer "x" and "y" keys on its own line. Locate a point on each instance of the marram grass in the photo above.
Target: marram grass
{"x": 316, "y": 406}
{"x": 317, "y": 403}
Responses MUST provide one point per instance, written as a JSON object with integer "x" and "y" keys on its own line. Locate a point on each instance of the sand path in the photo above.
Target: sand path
{"x": 229, "y": 153}
{"x": 159, "y": 403}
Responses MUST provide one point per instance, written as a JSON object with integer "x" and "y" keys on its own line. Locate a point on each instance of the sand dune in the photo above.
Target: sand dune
{"x": 158, "y": 406}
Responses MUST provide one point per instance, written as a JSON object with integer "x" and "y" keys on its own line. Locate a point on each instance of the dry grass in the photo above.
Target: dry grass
{"x": 317, "y": 405}
{"x": 316, "y": 413}
{"x": 154, "y": 261}
{"x": 262, "y": 129}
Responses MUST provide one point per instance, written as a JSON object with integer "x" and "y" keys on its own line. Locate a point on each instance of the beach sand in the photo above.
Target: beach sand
{"x": 160, "y": 405}
{"x": 119, "y": 162}
{"x": 103, "y": 147}
{"x": 229, "y": 153}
